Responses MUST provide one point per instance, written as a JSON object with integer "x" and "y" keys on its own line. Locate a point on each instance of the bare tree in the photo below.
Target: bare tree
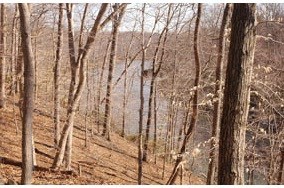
{"x": 80, "y": 67}
{"x": 141, "y": 109}
{"x": 218, "y": 90}
{"x": 2, "y": 56}
{"x": 194, "y": 116}
{"x": 28, "y": 106}
{"x": 153, "y": 74}
{"x": 116, "y": 23}
{"x": 237, "y": 95}
{"x": 57, "y": 77}
{"x": 73, "y": 83}
{"x": 100, "y": 82}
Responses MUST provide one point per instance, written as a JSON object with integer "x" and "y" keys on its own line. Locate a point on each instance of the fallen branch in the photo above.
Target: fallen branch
{"x": 7, "y": 161}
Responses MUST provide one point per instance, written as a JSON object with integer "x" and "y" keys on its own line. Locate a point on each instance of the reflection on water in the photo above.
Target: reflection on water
{"x": 133, "y": 97}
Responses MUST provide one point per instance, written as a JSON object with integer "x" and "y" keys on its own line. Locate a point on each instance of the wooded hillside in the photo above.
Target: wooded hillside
{"x": 117, "y": 93}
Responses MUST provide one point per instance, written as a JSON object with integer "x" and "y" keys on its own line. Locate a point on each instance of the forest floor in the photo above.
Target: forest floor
{"x": 101, "y": 162}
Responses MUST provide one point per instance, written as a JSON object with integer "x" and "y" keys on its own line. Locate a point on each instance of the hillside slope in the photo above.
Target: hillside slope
{"x": 102, "y": 162}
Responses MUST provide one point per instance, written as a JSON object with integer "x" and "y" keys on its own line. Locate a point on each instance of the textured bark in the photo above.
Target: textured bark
{"x": 217, "y": 103}
{"x": 2, "y": 56}
{"x": 98, "y": 111}
{"x": 141, "y": 109}
{"x": 14, "y": 51}
{"x": 155, "y": 124}
{"x": 28, "y": 105}
{"x": 73, "y": 84}
{"x": 56, "y": 118}
{"x": 237, "y": 95}
{"x": 194, "y": 116}
{"x": 112, "y": 60}
{"x": 19, "y": 68}
{"x": 124, "y": 103}
{"x": 281, "y": 167}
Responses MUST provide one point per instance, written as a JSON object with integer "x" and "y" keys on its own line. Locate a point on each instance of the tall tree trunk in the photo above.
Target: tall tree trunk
{"x": 97, "y": 108}
{"x": 155, "y": 69}
{"x": 56, "y": 117}
{"x": 141, "y": 109}
{"x": 112, "y": 60}
{"x": 19, "y": 69}
{"x": 75, "y": 69}
{"x": 237, "y": 95}
{"x": 28, "y": 106}
{"x": 73, "y": 84}
{"x": 124, "y": 103}
{"x": 217, "y": 103}
{"x": 35, "y": 63}
{"x": 14, "y": 51}
{"x": 81, "y": 61}
{"x": 65, "y": 142}
{"x": 195, "y": 99}
{"x": 2, "y": 56}
{"x": 155, "y": 124}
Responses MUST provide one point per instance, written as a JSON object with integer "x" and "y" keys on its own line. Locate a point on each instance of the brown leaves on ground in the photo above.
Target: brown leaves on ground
{"x": 102, "y": 162}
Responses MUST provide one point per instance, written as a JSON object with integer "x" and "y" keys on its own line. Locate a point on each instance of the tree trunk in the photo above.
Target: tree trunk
{"x": 195, "y": 99}
{"x": 156, "y": 69}
{"x": 73, "y": 84}
{"x": 35, "y": 64}
{"x": 2, "y": 56}
{"x": 87, "y": 106}
{"x": 141, "y": 109}
{"x": 14, "y": 51}
{"x": 124, "y": 103}
{"x": 56, "y": 117}
{"x": 97, "y": 108}
{"x": 155, "y": 124}
{"x": 28, "y": 106}
{"x": 112, "y": 60}
{"x": 217, "y": 103}
{"x": 81, "y": 61}
{"x": 281, "y": 167}
{"x": 237, "y": 95}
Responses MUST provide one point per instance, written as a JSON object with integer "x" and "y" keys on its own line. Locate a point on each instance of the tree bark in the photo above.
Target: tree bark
{"x": 112, "y": 60}
{"x": 194, "y": 116}
{"x": 281, "y": 168}
{"x": 73, "y": 84}
{"x": 217, "y": 103}
{"x": 14, "y": 51}
{"x": 141, "y": 109}
{"x": 237, "y": 95}
{"x": 2, "y": 56}
{"x": 56, "y": 117}
{"x": 28, "y": 106}
{"x": 97, "y": 108}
